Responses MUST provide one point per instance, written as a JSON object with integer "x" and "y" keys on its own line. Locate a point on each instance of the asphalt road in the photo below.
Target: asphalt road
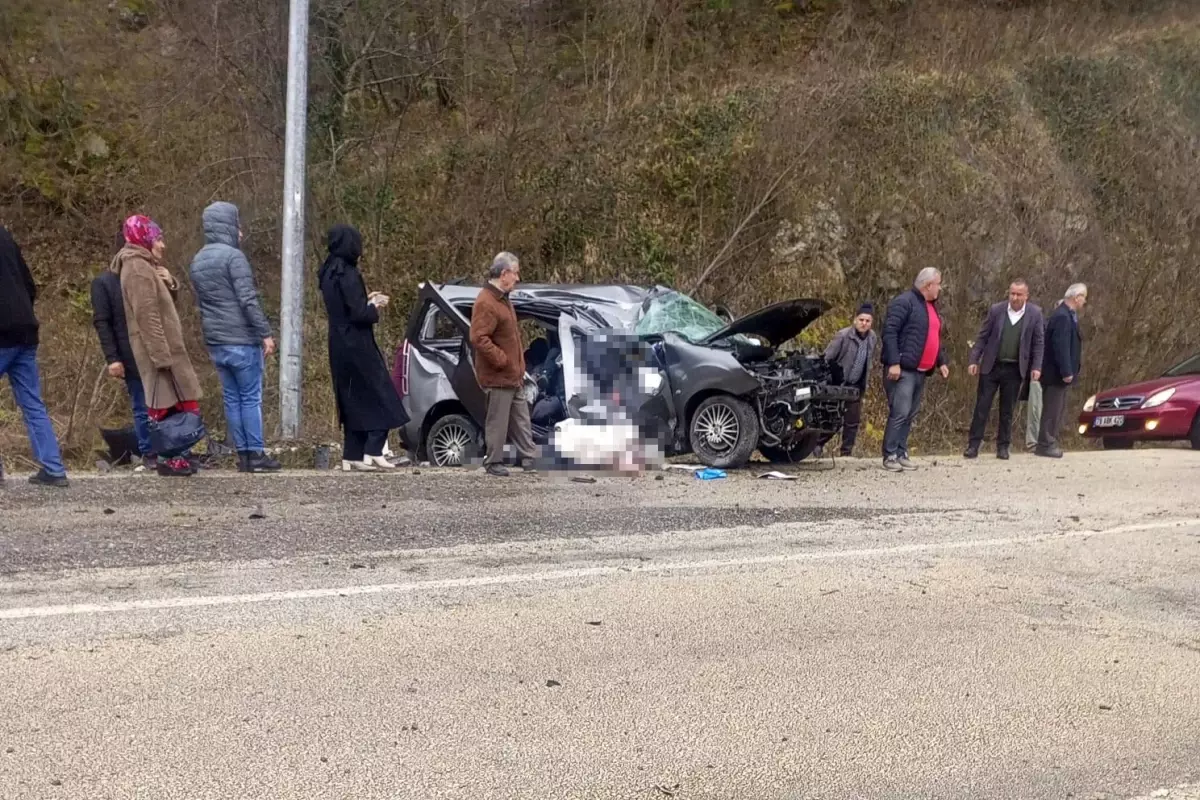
{"x": 1028, "y": 629}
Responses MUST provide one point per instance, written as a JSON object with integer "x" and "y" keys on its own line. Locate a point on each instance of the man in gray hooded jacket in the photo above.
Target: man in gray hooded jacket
{"x": 236, "y": 331}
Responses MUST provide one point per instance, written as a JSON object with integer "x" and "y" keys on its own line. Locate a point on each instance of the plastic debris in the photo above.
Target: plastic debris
{"x": 710, "y": 474}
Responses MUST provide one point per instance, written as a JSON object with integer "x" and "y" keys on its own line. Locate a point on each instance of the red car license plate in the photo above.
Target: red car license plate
{"x": 1110, "y": 422}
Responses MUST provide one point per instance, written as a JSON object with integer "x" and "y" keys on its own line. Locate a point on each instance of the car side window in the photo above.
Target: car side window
{"x": 440, "y": 328}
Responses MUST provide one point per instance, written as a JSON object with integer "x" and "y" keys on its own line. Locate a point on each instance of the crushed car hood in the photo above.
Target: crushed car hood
{"x": 776, "y": 323}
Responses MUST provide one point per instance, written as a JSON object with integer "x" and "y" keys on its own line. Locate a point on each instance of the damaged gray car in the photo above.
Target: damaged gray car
{"x": 726, "y": 389}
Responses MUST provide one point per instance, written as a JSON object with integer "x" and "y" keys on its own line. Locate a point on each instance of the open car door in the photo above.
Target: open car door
{"x": 462, "y": 373}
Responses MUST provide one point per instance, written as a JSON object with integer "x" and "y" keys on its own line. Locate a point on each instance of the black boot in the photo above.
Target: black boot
{"x": 244, "y": 460}
{"x": 43, "y": 478}
{"x": 261, "y": 462}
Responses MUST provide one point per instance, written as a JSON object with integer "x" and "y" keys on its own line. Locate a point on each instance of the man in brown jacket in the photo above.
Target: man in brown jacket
{"x": 500, "y": 367}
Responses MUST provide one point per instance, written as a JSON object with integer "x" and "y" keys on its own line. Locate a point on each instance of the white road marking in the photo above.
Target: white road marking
{"x": 169, "y": 603}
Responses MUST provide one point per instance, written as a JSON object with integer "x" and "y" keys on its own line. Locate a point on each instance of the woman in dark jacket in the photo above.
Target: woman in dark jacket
{"x": 368, "y": 406}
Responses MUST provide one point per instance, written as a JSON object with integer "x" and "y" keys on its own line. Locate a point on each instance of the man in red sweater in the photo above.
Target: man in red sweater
{"x": 912, "y": 350}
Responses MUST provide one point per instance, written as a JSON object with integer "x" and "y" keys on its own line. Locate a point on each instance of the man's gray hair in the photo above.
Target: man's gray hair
{"x": 926, "y": 277}
{"x": 501, "y": 264}
{"x": 1075, "y": 290}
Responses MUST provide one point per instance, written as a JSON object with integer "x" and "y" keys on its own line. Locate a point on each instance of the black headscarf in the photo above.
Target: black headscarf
{"x": 345, "y": 248}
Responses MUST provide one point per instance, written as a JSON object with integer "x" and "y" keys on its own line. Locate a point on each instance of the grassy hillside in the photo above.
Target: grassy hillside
{"x": 745, "y": 150}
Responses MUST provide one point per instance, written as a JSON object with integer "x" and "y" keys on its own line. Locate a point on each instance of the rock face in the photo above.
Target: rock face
{"x": 132, "y": 15}
{"x": 94, "y": 146}
{"x": 810, "y": 250}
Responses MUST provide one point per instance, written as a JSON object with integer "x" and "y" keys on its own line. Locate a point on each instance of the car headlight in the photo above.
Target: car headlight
{"x": 804, "y": 392}
{"x": 1090, "y": 405}
{"x": 1158, "y": 398}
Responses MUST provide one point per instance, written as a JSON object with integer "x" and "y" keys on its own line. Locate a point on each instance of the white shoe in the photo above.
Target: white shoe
{"x": 358, "y": 466}
{"x": 379, "y": 461}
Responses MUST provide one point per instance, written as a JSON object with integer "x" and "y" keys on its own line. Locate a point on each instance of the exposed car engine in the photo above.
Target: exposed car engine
{"x": 800, "y": 397}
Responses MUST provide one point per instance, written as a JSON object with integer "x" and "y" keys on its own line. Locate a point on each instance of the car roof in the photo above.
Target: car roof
{"x": 619, "y": 294}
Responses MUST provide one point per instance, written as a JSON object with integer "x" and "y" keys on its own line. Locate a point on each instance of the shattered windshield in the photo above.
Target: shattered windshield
{"x": 677, "y": 313}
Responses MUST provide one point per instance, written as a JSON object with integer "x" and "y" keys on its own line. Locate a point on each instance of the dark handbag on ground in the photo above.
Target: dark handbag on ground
{"x": 177, "y": 432}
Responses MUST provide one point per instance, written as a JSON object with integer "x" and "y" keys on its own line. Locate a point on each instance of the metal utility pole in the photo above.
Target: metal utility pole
{"x": 291, "y": 345}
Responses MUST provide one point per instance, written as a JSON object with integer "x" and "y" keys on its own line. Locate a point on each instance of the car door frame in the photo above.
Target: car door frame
{"x": 462, "y": 378}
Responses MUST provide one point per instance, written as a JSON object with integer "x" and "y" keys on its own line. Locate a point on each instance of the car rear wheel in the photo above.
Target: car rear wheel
{"x": 453, "y": 441}
{"x": 794, "y": 454}
{"x": 724, "y": 431}
{"x": 1117, "y": 444}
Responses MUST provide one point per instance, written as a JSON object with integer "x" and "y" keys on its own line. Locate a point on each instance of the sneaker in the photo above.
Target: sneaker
{"x": 905, "y": 464}
{"x": 44, "y": 478}
{"x": 528, "y": 466}
{"x": 261, "y": 462}
{"x": 149, "y": 464}
{"x": 892, "y": 465}
{"x": 175, "y": 468}
{"x": 972, "y": 451}
{"x": 1053, "y": 452}
{"x": 497, "y": 470}
{"x": 1002, "y": 452}
{"x": 358, "y": 466}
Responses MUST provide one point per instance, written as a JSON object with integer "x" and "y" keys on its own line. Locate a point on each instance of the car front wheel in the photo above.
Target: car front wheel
{"x": 453, "y": 441}
{"x": 724, "y": 431}
{"x": 1194, "y": 436}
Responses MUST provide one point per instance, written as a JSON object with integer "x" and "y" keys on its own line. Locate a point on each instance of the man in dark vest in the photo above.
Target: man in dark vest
{"x": 1007, "y": 352}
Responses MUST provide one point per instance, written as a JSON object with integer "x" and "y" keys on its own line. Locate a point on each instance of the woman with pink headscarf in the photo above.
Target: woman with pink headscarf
{"x": 155, "y": 333}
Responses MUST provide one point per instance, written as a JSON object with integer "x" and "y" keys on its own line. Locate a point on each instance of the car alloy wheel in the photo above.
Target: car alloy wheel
{"x": 718, "y": 426}
{"x": 724, "y": 431}
{"x": 453, "y": 442}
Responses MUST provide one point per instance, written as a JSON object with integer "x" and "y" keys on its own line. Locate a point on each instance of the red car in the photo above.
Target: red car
{"x": 1160, "y": 410}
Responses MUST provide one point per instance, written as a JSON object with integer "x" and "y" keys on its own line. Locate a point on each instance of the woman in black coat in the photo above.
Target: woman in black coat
{"x": 368, "y": 406}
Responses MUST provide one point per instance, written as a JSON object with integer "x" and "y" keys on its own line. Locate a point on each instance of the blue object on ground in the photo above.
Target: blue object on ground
{"x": 710, "y": 474}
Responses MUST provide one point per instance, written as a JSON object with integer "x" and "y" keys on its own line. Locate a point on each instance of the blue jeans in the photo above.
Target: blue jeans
{"x": 241, "y": 369}
{"x": 141, "y": 420}
{"x": 20, "y": 365}
{"x": 904, "y": 401}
